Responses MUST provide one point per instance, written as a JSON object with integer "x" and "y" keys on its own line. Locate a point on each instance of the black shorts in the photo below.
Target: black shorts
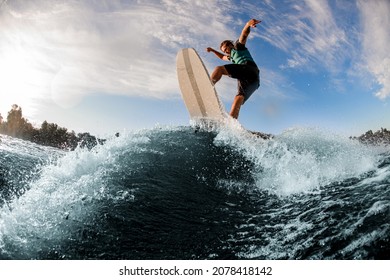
{"x": 247, "y": 75}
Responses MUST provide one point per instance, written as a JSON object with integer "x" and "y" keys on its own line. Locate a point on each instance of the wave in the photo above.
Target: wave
{"x": 186, "y": 192}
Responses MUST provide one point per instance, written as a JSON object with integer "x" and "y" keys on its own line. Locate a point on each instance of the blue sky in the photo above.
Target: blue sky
{"x": 107, "y": 66}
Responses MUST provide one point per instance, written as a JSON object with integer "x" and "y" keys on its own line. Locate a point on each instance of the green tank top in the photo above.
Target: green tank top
{"x": 240, "y": 54}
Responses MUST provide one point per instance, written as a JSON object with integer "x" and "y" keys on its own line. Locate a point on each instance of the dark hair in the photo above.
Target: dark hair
{"x": 226, "y": 42}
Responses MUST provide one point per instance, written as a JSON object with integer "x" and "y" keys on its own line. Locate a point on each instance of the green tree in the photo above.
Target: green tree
{"x": 16, "y": 125}
{"x": 50, "y": 134}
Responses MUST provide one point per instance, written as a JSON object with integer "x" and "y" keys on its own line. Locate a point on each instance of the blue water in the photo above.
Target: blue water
{"x": 184, "y": 193}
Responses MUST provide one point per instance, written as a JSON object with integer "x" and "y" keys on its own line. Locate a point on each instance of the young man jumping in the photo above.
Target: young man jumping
{"x": 243, "y": 67}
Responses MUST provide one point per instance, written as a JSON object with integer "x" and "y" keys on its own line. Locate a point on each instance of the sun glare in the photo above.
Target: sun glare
{"x": 21, "y": 82}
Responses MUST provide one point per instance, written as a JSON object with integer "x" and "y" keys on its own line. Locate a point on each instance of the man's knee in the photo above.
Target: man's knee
{"x": 217, "y": 74}
{"x": 221, "y": 70}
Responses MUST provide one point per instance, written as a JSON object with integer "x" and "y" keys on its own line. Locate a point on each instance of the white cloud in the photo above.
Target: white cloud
{"x": 375, "y": 16}
{"x": 315, "y": 35}
{"x": 111, "y": 47}
{"x": 308, "y": 33}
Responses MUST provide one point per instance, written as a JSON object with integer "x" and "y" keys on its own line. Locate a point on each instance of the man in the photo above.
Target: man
{"x": 244, "y": 68}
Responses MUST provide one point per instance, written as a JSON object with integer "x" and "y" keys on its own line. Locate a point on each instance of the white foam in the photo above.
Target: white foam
{"x": 299, "y": 160}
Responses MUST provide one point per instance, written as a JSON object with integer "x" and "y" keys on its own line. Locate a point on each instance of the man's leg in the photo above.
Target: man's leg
{"x": 245, "y": 90}
{"x": 237, "y": 102}
{"x": 217, "y": 74}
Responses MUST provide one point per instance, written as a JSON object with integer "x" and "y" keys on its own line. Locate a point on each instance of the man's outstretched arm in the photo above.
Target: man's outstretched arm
{"x": 247, "y": 29}
{"x": 218, "y": 54}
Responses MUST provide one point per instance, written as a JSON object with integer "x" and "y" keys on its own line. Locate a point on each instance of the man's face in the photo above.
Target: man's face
{"x": 226, "y": 48}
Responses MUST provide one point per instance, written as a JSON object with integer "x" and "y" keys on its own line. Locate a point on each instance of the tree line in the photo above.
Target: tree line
{"x": 380, "y": 137}
{"x": 49, "y": 134}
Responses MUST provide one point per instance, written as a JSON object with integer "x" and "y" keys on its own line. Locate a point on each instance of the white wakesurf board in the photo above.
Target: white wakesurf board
{"x": 197, "y": 90}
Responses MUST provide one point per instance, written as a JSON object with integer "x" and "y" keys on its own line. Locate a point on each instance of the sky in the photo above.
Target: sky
{"x": 110, "y": 66}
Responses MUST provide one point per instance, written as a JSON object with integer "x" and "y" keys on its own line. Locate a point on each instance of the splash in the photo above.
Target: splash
{"x": 66, "y": 195}
{"x": 299, "y": 160}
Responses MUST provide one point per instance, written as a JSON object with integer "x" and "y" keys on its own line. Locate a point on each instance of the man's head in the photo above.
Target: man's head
{"x": 226, "y": 46}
